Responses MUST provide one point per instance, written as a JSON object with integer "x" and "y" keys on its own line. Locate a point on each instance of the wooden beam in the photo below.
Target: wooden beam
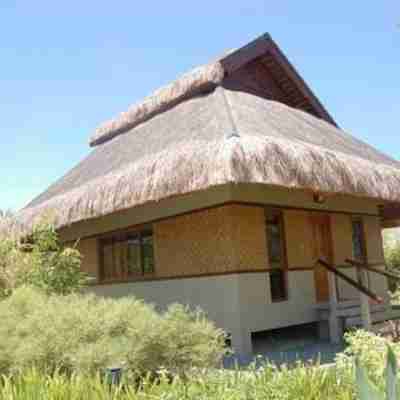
{"x": 369, "y": 268}
{"x": 335, "y": 328}
{"x": 351, "y": 282}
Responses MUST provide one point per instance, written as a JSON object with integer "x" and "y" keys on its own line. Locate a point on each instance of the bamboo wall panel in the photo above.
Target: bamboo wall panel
{"x": 232, "y": 238}
{"x": 299, "y": 238}
{"x": 219, "y": 240}
{"x": 198, "y": 243}
{"x": 90, "y": 256}
{"x": 249, "y": 237}
{"x": 342, "y": 238}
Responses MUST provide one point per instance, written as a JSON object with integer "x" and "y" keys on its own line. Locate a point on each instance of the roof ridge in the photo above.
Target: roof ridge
{"x": 193, "y": 82}
{"x": 229, "y": 112}
{"x": 188, "y": 85}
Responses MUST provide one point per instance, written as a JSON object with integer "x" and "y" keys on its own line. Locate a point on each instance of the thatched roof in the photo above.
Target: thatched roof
{"x": 198, "y": 133}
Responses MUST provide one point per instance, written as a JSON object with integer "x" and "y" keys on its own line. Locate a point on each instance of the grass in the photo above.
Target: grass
{"x": 301, "y": 382}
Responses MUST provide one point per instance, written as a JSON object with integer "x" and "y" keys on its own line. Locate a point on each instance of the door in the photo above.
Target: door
{"x": 322, "y": 248}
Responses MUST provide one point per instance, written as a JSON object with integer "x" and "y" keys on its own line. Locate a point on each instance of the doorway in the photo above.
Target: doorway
{"x": 322, "y": 248}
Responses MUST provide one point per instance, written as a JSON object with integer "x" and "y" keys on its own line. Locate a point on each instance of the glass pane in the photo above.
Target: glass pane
{"x": 274, "y": 244}
{"x": 278, "y": 284}
{"x": 148, "y": 253}
{"x": 358, "y": 241}
{"x": 108, "y": 260}
{"x": 133, "y": 256}
{"x": 277, "y": 274}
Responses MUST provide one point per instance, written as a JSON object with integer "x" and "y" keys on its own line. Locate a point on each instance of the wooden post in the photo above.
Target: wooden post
{"x": 335, "y": 328}
{"x": 364, "y": 302}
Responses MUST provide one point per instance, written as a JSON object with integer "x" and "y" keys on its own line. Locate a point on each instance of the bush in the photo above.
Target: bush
{"x": 85, "y": 334}
{"x": 40, "y": 261}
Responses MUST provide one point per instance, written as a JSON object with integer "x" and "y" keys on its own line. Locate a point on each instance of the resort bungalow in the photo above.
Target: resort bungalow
{"x": 233, "y": 189}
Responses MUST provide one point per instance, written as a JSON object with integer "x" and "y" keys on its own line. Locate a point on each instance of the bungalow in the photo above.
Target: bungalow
{"x": 233, "y": 189}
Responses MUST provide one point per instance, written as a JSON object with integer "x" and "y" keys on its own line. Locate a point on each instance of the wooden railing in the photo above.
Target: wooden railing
{"x": 335, "y": 328}
{"x": 361, "y": 265}
{"x": 361, "y": 288}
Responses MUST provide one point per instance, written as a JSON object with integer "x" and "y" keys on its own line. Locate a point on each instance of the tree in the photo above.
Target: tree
{"x": 41, "y": 261}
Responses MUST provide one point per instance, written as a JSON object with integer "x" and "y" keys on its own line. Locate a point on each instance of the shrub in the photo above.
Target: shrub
{"x": 40, "y": 261}
{"x": 85, "y": 334}
{"x": 367, "y": 390}
{"x": 391, "y": 243}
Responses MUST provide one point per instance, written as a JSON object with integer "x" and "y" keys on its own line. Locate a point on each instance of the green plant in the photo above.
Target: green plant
{"x": 367, "y": 390}
{"x": 391, "y": 241}
{"x": 41, "y": 261}
{"x": 85, "y": 334}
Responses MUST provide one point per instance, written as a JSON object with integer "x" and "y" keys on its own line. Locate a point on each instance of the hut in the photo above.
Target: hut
{"x": 233, "y": 189}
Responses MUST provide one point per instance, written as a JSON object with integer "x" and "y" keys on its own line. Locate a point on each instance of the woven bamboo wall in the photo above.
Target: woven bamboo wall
{"x": 218, "y": 240}
{"x": 90, "y": 256}
{"x": 342, "y": 238}
{"x": 232, "y": 238}
{"x": 299, "y": 237}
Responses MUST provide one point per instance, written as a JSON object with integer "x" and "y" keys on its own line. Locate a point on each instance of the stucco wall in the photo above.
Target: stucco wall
{"x": 233, "y": 301}
{"x": 232, "y": 238}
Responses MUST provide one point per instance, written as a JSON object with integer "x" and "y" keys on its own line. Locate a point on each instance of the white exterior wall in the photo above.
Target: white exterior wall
{"x": 217, "y": 296}
{"x": 260, "y": 313}
{"x": 238, "y": 303}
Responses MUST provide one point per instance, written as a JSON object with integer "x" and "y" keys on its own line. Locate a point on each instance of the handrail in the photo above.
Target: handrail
{"x": 351, "y": 282}
{"x": 368, "y": 268}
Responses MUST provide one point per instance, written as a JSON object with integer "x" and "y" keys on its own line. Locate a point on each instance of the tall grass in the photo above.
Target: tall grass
{"x": 297, "y": 382}
{"x": 301, "y": 382}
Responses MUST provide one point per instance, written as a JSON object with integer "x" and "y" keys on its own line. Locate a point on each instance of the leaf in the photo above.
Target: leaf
{"x": 366, "y": 389}
{"x": 391, "y": 374}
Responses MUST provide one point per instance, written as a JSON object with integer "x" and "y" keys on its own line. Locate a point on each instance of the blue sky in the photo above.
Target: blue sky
{"x": 68, "y": 66}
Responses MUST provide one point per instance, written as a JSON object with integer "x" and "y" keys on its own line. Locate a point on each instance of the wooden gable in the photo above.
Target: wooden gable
{"x": 262, "y": 69}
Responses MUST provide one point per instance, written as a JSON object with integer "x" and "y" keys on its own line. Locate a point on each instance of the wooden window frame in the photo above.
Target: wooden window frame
{"x": 284, "y": 263}
{"x": 124, "y": 237}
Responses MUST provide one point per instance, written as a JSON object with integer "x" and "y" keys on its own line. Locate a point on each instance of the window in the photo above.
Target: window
{"x": 358, "y": 240}
{"x": 276, "y": 255}
{"x": 359, "y": 249}
{"x": 127, "y": 255}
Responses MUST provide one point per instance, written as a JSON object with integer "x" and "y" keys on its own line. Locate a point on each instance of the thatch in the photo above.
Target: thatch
{"x": 214, "y": 139}
{"x": 190, "y": 84}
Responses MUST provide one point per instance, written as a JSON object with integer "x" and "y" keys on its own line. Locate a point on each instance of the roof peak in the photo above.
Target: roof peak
{"x": 198, "y": 80}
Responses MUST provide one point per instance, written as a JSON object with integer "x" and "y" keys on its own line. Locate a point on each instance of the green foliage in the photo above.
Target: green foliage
{"x": 301, "y": 382}
{"x": 392, "y": 252}
{"x": 86, "y": 334}
{"x": 40, "y": 261}
{"x": 391, "y": 243}
{"x": 367, "y": 390}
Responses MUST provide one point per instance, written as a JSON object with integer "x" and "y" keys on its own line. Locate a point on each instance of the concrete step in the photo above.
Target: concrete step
{"x": 377, "y": 317}
{"x": 349, "y": 310}
{"x": 354, "y": 321}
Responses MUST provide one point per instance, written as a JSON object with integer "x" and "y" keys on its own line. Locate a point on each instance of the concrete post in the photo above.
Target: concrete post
{"x": 364, "y": 301}
{"x": 242, "y": 345}
{"x": 335, "y": 328}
